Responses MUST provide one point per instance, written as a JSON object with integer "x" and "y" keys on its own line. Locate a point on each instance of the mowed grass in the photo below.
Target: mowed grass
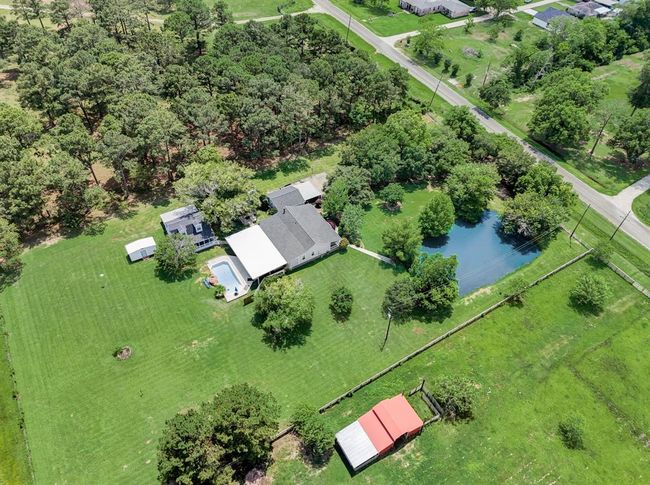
{"x": 523, "y": 360}
{"x": 252, "y": 9}
{"x": 641, "y": 207}
{"x": 389, "y": 20}
{"x": 92, "y": 419}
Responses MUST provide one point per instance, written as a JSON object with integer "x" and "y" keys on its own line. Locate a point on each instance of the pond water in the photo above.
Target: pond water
{"x": 484, "y": 253}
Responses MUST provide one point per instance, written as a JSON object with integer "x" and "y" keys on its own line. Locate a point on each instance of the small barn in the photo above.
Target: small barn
{"x": 388, "y": 425}
{"x": 140, "y": 249}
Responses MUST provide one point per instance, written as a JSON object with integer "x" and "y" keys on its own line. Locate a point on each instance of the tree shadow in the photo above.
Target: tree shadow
{"x": 585, "y": 310}
{"x": 167, "y": 277}
{"x": 297, "y": 336}
{"x": 10, "y": 276}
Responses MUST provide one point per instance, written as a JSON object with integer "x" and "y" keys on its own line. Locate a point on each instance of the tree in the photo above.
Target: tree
{"x": 180, "y": 24}
{"x": 199, "y": 15}
{"x": 312, "y": 429}
{"x": 512, "y": 161}
{"x": 533, "y": 216}
{"x": 632, "y": 135}
{"x": 283, "y": 307}
{"x": 437, "y": 216}
{"x": 447, "y": 151}
{"x": 603, "y": 252}
{"x": 471, "y": 187}
{"x": 571, "y": 432}
{"x": 400, "y": 298}
{"x": 463, "y": 123}
{"x": 590, "y": 292}
{"x": 413, "y": 137}
{"x": 351, "y": 223}
{"x": 434, "y": 278}
{"x": 456, "y": 395}
{"x": 392, "y": 195}
{"x": 498, "y": 7}
{"x": 561, "y": 114}
{"x": 357, "y": 181}
{"x": 175, "y": 255}
{"x": 222, "y": 190}
{"x": 542, "y": 179}
{"x": 10, "y": 250}
{"x": 19, "y": 124}
{"x": 335, "y": 199}
{"x": 454, "y": 70}
{"x": 222, "y": 13}
{"x": 22, "y": 188}
{"x": 373, "y": 149}
{"x": 341, "y": 302}
{"x": 62, "y": 13}
{"x": 469, "y": 77}
{"x": 402, "y": 241}
{"x": 72, "y": 136}
{"x": 229, "y": 434}
{"x": 429, "y": 41}
{"x": 640, "y": 95}
{"x": 29, "y": 10}
{"x": 496, "y": 93}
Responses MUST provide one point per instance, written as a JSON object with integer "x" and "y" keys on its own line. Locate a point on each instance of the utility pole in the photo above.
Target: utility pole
{"x": 579, "y": 221}
{"x": 619, "y": 226}
{"x": 434, "y": 94}
{"x": 390, "y": 317}
{"x": 348, "y": 31}
{"x": 486, "y": 73}
{"x": 600, "y": 134}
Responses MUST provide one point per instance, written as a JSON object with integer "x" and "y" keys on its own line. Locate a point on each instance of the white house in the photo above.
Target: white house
{"x": 140, "y": 249}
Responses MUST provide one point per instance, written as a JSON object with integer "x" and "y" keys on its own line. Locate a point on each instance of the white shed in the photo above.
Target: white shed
{"x": 140, "y": 249}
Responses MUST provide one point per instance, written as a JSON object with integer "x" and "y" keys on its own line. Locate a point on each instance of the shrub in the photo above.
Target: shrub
{"x": 516, "y": 289}
{"x": 456, "y": 395}
{"x": 313, "y": 430}
{"x": 344, "y": 243}
{"x": 590, "y": 291}
{"x": 392, "y": 195}
{"x": 400, "y": 298}
{"x": 454, "y": 70}
{"x": 437, "y": 217}
{"x": 447, "y": 65}
{"x": 519, "y": 35}
{"x": 571, "y": 433}
{"x": 341, "y": 302}
{"x": 468, "y": 79}
{"x": 219, "y": 292}
{"x": 603, "y": 252}
{"x": 437, "y": 58}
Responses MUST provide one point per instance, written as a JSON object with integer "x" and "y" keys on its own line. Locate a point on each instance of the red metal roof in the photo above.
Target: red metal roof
{"x": 388, "y": 421}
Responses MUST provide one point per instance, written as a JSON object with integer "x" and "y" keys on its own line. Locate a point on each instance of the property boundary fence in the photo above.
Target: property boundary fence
{"x": 350, "y": 392}
{"x": 14, "y": 388}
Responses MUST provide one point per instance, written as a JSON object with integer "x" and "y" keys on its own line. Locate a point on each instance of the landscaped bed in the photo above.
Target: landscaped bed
{"x": 185, "y": 346}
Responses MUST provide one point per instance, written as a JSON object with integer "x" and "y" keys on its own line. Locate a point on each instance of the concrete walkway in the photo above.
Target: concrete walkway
{"x": 314, "y": 9}
{"x": 394, "y": 39}
{"x": 599, "y": 202}
{"x": 623, "y": 200}
{"x": 380, "y": 257}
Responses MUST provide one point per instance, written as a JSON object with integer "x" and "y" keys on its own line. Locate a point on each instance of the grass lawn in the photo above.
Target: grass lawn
{"x": 91, "y": 418}
{"x": 252, "y": 9}
{"x": 391, "y": 20}
{"x": 607, "y": 172}
{"x": 529, "y": 364}
{"x": 641, "y": 207}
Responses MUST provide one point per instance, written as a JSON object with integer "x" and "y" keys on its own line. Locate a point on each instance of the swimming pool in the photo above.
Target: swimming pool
{"x": 226, "y": 276}
{"x": 484, "y": 253}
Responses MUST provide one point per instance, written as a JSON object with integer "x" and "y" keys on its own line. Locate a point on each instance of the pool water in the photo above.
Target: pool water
{"x": 226, "y": 276}
{"x": 485, "y": 254}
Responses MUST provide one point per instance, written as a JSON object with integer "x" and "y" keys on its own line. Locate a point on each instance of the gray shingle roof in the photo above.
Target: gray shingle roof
{"x": 296, "y": 229}
{"x": 183, "y": 220}
{"x": 550, "y": 13}
{"x": 285, "y": 196}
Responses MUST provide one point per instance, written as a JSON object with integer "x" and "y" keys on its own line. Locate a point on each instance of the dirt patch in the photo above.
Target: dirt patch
{"x": 286, "y": 448}
{"x": 603, "y": 76}
{"x": 123, "y": 353}
{"x": 418, "y": 330}
{"x": 483, "y": 291}
{"x": 257, "y": 477}
{"x": 525, "y": 98}
{"x": 9, "y": 75}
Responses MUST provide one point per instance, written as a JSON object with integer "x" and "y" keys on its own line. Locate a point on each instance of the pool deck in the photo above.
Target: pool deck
{"x": 238, "y": 270}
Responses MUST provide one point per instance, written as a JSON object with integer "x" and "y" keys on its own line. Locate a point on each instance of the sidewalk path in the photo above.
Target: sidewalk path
{"x": 380, "y": 257}
{"x": 314, "y": 9}
{"x": 625, "y": 197}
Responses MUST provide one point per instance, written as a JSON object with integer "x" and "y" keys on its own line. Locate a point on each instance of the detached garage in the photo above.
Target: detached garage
{"x": 386, "y": 426}
{"x": 141, "y": 249}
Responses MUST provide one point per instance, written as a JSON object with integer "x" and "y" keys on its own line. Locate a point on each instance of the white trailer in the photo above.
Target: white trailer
{"x": 141, "y": 249}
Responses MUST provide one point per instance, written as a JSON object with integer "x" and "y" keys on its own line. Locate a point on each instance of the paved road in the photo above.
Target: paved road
{"x": 608, "y": 207}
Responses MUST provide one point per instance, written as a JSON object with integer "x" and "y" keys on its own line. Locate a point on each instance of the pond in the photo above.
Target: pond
{"x": 485, "y": 254}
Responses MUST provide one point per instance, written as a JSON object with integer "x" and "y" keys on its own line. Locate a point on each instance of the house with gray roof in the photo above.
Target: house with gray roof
{"x": 543, "y": 19}
{"x": 189, "y": 221}
{"x": 294, "y": 194}
{"x": 450, "y": 8}
{"x": 588, "y": 9}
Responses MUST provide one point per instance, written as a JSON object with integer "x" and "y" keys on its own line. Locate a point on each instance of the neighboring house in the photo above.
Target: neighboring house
{"x": 294, "y": 236}
{"x": 140, "y": 249}
{"x": 294, "y": 194}
{"x": 543, "y": 19}
{"x": 608, "y": 3}
{"x": 451, "y": 8}
{"x": 588, "y": 9}
{"x": 189, "y": 221}
{"x": 385, "y": 427}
